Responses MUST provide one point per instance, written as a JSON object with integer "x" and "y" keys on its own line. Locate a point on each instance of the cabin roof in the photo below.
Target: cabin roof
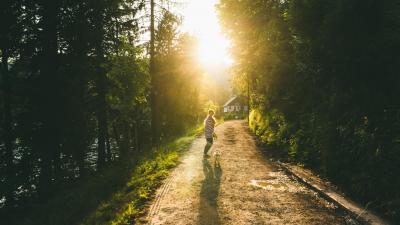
{"x": 231, "y": 100}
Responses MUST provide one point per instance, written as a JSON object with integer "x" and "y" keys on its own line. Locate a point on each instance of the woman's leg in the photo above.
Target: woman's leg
{"x": 208, "y": 145}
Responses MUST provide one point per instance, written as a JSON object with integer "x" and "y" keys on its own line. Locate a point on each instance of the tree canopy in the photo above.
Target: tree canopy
{"x": 75, "y": 90}
{"x": 324, "y": 80}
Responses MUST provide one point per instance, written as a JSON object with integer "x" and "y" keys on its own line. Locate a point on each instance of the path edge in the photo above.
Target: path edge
{"x": 355, "y": 210}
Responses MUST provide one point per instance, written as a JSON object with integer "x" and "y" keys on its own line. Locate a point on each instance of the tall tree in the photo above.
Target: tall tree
{"x": 78, "y": 40}
{"x": 49, "y": 139}
{"x": 323, "y": 85}
{"x": 155, "y": 115}
{"x": 71, "y": 71}
{"x": 101, "y": 81}
{"x": 8, "y": 21}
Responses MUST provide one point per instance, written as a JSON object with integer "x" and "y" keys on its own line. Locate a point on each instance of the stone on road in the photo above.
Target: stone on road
{"x": 245, "y": 189}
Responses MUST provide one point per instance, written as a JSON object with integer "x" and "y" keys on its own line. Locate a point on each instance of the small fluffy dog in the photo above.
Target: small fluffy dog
{"x": 216, "y": 153}
{"x": 217, "y": 157}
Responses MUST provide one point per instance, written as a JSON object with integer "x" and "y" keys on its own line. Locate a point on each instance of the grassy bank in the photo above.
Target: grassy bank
{"x": 115, "y": 196}
{"x": 346, "y": 160}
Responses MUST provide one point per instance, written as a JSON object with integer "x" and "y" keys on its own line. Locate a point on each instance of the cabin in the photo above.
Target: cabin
{"x": 237, "y": 105}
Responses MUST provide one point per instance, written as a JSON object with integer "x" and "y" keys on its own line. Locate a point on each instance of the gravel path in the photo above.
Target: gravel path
{"x": 245, "y": 189}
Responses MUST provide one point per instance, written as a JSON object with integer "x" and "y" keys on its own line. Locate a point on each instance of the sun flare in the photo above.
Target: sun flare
{"x": 200, "y": 18}
{"x": 213, "y": 51}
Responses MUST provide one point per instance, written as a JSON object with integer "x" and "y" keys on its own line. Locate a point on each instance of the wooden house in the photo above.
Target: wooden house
{"x": 236, "y": 105}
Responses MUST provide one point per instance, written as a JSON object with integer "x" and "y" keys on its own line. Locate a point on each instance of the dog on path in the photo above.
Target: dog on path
{"x": 217, "y": 157}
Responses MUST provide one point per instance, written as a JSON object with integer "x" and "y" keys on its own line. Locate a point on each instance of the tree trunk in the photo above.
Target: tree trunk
{"x": 137, "y": 145}
{"x": 117, "y": 138}
{"x": 125, "y": 140}
{"x": 101, "y": 85}
{"x": 80, "y": 126}
{"x": 108, "y": 147}
{"x": 155, "y": 122}
{"x": 102, "y": 121}
{"x": 49, "y": 96}
{"x": 8, "y": 131}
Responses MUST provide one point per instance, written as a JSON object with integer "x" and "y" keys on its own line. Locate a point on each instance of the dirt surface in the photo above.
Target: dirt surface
{"x": 245, "y": 189}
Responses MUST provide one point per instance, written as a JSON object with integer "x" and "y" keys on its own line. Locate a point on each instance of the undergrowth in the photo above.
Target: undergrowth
{"x": 115, "y": 196}
{"x": 355, "y": 156}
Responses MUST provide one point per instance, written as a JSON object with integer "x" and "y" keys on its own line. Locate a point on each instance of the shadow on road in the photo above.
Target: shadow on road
{"x": 208, "y": 210}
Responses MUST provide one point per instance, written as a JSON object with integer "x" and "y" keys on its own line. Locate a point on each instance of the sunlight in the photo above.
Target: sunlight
{"x": 212, "y": 50}
{"x": 200, "y": 19}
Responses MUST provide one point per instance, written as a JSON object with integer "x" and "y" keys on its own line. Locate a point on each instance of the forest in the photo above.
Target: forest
{"x": 76, "y": 89}
{"x": 323, "y": 78}
{"x": 87, "y": 86}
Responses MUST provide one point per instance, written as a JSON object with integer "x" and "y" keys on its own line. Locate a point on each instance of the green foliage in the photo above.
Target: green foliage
{"x": 176, "y": 78}
{"x": 75, "y": 98}
{"x": 210, "y": 105}
{"x": 128, "y": 78}
{"x": 272, "y": 128}
{"x": 324, "y": 87}
{"x": 114, "y": 196}
{"x": 125, "y": 205}
{"x": 235, "y": 116}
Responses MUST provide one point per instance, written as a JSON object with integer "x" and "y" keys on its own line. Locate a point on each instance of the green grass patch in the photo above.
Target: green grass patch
{"x": 115, "y": 196}
{"x": 125, "y": 205}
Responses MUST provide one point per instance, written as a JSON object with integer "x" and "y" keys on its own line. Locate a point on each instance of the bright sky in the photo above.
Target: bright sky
{"x": 200, "y": 18}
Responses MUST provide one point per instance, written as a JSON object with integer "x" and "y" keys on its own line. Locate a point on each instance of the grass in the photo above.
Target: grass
{"x": 115, "y": 196}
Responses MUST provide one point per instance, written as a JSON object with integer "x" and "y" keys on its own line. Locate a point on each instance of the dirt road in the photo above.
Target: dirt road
{"x": 245, "y": 189}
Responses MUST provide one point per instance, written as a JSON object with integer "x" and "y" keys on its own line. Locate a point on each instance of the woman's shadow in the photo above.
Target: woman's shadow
{"x": 208, "y": 210}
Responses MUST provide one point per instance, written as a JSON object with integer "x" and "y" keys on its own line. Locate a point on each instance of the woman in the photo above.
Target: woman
{"x": 209, "y": 124}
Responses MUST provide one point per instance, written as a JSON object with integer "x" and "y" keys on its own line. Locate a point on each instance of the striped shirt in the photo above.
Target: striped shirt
{"x": 209, "y": 124}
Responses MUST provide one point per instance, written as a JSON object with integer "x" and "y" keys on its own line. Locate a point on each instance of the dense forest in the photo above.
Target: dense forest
{"x": 86, "y": 85}
{"x": 76, "y": 91}
{"x": 323, "y": 78}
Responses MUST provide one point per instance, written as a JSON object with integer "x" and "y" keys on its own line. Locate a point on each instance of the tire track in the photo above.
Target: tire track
{"x": 162, "y": 199}
{"x": 155, "y": 208}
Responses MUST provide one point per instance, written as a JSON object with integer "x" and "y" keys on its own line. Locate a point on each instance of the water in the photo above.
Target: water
{"x": 277, "y": 181}
{"x": 2, "y": 202}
